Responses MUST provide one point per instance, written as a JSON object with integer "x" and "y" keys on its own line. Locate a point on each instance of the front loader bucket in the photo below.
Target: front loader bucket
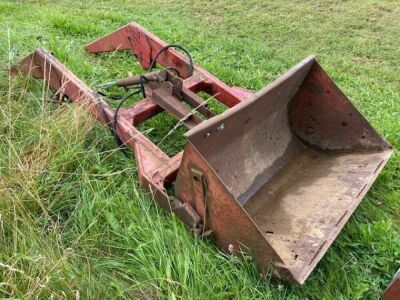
{"x": 279, "y": 175}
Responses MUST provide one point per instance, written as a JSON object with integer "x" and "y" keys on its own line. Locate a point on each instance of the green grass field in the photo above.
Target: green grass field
{"x": 74, "y": 223}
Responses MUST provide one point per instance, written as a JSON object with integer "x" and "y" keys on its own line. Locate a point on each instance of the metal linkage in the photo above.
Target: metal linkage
{"x": 155, "y": 168}
{"x": 145, "y": 47}
{"x": 162, "y": 90}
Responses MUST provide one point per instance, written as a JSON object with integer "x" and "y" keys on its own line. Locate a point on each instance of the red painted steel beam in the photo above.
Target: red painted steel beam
{"x": 140, "y": 111}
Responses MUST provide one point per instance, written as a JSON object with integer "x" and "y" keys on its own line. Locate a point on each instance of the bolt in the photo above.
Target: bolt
{"x": 309, "y": 130}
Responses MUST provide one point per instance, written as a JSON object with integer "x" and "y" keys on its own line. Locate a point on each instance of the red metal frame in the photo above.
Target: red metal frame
{"x": 155, "y": 169}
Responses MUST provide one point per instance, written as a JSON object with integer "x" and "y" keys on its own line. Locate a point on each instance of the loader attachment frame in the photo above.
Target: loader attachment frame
{"x": 277, "y": 175}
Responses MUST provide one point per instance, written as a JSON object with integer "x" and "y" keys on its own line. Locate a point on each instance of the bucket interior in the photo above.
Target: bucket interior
{"x": 298, "y": 157}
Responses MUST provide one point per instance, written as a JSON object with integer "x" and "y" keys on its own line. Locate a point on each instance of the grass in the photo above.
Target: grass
{"x": 73, "y": 220}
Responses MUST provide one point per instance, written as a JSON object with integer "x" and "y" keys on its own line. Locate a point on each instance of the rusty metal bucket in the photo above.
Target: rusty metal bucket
{"x": 280, "y": 174}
